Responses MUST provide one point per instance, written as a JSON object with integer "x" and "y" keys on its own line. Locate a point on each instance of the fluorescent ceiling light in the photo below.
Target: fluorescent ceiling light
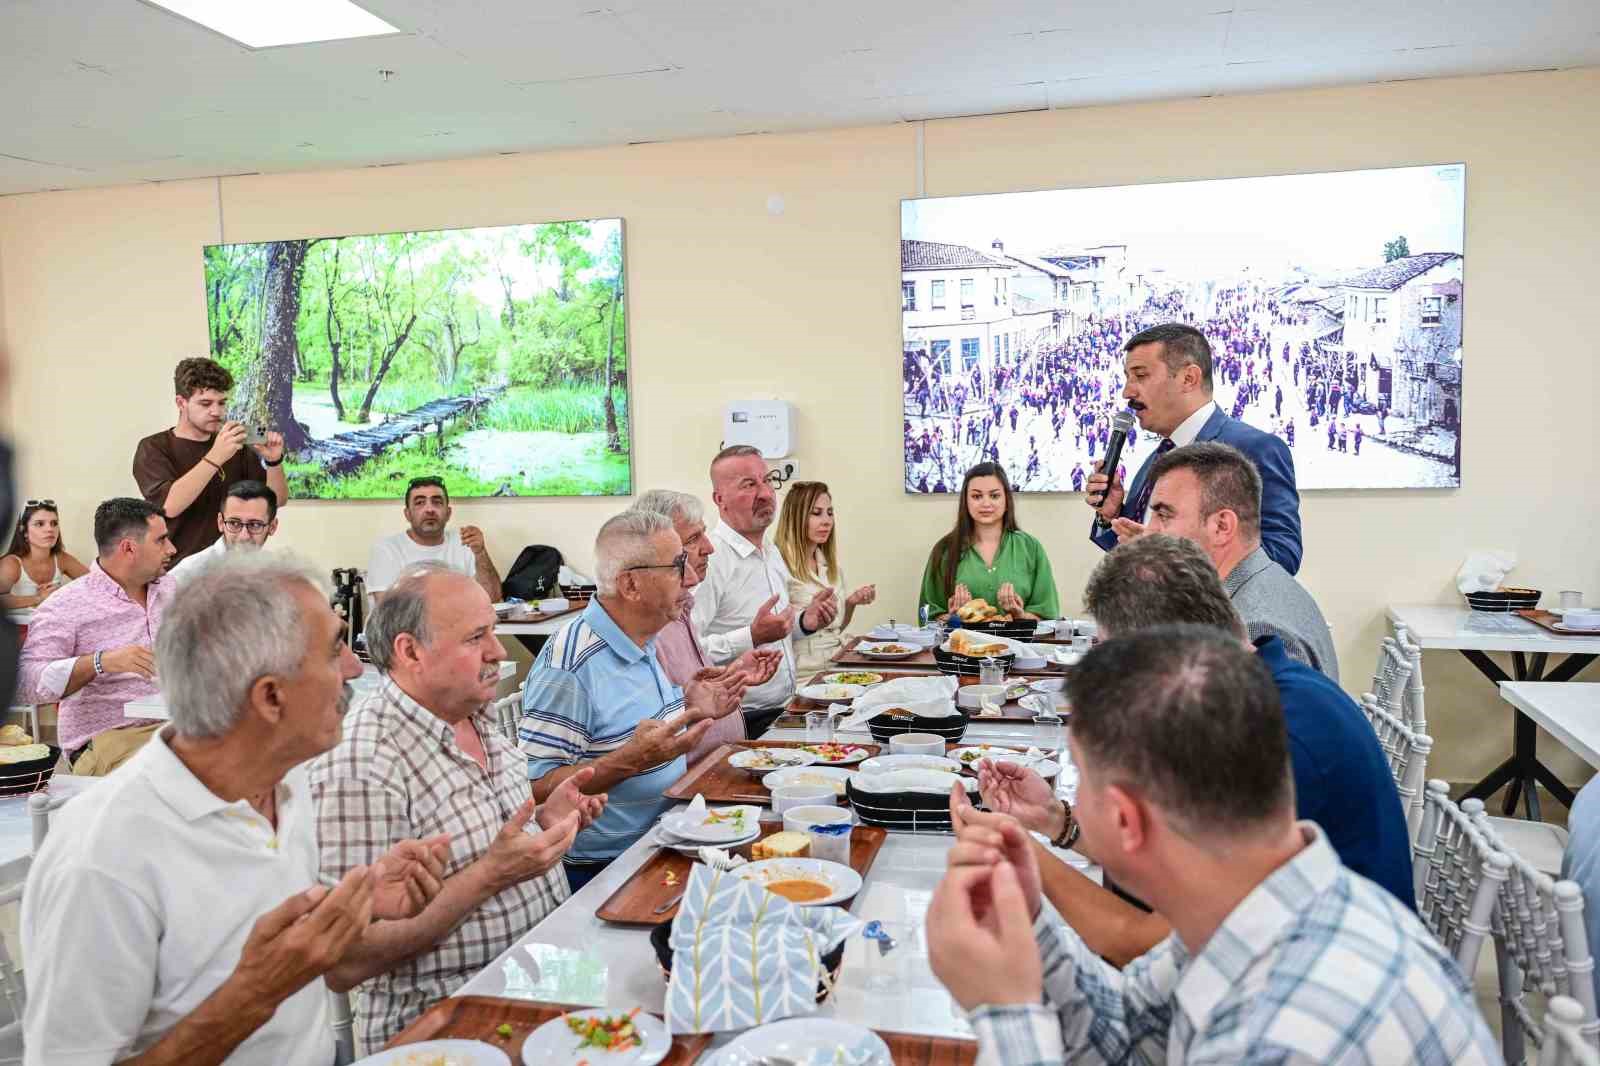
{"x": 260, "y": 24}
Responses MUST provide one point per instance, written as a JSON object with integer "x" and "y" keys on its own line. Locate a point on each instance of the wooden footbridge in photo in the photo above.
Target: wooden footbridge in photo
{"x": 346, "y": 452}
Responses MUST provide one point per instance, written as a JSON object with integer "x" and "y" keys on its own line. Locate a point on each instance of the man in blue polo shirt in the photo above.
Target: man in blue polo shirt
{"x": 597, "y": 697}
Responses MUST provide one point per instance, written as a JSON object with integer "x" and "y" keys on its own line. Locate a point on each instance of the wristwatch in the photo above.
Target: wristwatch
{"x": 1069, "y": 835}
{"x": 98, "y": 668}
{"x": 272, "y": 462}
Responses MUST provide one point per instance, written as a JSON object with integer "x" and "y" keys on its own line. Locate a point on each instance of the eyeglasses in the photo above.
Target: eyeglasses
{"x": 256, "y": 527}
{"x": 679, "y": 564}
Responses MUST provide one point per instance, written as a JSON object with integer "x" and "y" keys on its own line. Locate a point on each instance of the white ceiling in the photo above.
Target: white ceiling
{"x": 101, "y": 92}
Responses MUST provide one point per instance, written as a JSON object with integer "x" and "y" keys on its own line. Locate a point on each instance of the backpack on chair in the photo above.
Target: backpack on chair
{"x": 533, "y": 576}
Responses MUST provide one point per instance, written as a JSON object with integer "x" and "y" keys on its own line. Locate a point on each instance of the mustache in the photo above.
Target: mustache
{"x": 489, "y": 673}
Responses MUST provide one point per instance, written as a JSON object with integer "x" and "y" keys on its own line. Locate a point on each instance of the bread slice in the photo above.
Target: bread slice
{"x": 784, "y": 845}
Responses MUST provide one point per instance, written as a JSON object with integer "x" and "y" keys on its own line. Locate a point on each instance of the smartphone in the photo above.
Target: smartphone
{"x": 253, "y": 432}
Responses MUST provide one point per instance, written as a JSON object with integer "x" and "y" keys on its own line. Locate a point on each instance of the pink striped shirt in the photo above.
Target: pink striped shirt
{"x": 681, "y": 657}
{"x": 91, "y": 614}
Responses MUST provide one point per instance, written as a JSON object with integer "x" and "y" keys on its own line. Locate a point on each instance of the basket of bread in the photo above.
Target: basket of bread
{"x": 983, "y": 616}
{"x": 1504, "y": 600}
{"x": 966, "y": 649}
{"x": 24, "y": 765}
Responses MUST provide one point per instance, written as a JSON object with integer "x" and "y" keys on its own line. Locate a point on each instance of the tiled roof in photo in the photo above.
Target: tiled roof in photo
{"x": 1394, "y": 274}
{"x": 931, "y": 255}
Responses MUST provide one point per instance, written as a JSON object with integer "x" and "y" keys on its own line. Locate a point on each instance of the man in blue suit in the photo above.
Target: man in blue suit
{"x": 1169, "y": 389}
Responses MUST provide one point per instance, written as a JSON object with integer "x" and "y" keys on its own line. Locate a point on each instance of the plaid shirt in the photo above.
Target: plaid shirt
{"x": 1316, "y": 965}
{"x": 398, "y": 774}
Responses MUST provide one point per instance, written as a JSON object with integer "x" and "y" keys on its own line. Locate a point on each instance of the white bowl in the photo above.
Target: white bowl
{"x": 1048, "y": 684}
{"x": 787, "y": 797}
{"x": 970, "y": 697}
{"x": 797, "y": 819}
{"x": 1581, "y": 617}
{"x": 810, "y": 777}
{"x": 1029, "y": 662}
{"x": 844, "y": 881}
{"x": 916, "y": 744}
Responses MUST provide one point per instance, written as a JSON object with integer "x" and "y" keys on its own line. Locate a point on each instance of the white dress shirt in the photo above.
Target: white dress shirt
{"x": 188, "y": 569}
{"x": 391, "y": 555}
{"x": 1190, "y": 427}
{"x": 740, "y": 578}
{"x": 139, "y": 904}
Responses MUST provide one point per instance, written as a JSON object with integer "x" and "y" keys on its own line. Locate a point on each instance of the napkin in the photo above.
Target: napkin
{"x": 568, "y": 577}
{"x": 742, "y": 956}
{"x": 1484, "y": 571}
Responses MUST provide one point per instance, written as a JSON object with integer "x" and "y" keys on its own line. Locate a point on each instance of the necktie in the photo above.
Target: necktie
{"x": 1134, "y": 507}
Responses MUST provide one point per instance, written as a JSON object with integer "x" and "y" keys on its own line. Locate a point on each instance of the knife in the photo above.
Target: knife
{"x": 669, "y": 904}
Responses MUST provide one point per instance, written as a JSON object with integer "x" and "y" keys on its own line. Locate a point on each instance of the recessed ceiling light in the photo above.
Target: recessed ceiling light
{"x": 282, "y": 21}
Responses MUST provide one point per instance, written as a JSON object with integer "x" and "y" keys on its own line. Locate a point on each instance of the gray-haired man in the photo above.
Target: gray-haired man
{"x": 173, "y": 915}
{"x": 423, "y": 757}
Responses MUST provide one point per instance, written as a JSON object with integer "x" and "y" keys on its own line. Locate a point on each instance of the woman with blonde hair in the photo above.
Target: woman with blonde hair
{"x": 805, "y": 540}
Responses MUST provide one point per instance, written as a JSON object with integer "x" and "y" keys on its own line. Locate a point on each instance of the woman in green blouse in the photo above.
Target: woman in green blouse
{"x": 987, "y": 557}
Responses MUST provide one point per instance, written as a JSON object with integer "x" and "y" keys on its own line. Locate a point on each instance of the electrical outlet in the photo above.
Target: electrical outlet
{"x": 782, "y": 471}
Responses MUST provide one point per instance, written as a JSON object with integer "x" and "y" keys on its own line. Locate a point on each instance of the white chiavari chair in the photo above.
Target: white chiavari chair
{"x": 508, "y": 712}
{"x": 1541, "y": 945}
{"x": 1564, "y": 1043}
{"x": 1407, "y": 752}
{"x": 1456, "y": 875}
{"x": 1416, "y": 714}
{"x": 1391, "y": 676}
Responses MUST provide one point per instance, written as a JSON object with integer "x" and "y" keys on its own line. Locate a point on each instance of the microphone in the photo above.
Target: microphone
{"x": 1121, "y": 426}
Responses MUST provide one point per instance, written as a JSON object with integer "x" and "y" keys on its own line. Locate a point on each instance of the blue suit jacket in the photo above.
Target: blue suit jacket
{"x": 1280, "y": 500}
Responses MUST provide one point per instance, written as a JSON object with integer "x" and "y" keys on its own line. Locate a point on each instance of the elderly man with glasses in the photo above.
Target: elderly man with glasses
{"x": 598, "y": 698}
{"x": 249, "y": 517}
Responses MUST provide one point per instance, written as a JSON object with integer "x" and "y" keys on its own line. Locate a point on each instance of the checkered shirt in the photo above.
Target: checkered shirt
{"x": 398, "y": 774}
{"x": 1317, "y": 965}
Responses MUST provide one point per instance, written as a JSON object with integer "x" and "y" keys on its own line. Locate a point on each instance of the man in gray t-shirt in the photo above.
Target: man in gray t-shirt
{"x": 1210, "y": 493}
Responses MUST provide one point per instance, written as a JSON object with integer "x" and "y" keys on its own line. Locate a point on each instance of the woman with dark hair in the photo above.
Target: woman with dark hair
{"x": 36, "y": 564}
{"x": 987, "y": 556}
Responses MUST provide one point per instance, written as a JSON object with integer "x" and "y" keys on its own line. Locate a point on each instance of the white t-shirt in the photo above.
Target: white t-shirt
{"x": 393, "y": 554}
{"x": 138, "y": 907}
{"x": 188, "y": 569}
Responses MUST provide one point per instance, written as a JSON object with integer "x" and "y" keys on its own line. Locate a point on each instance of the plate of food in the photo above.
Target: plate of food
{"x": 864, "y": 678}
{"x": 826, "y": 693}
{"x": 714, "y": 825}
{"x": 601, "y": 1035}
{"x": 812, "y": 776}
{"x": 804, "y": 882}
{"x": 809, "y": 1041}
{"x": 879, "y": 764}
{"x": 971, "y": 756}
{"x": 441, "y": 1053}
{"x": 833, "y": 753}
{"x": 887, "y": 650}
{"x": 758, "y": 762}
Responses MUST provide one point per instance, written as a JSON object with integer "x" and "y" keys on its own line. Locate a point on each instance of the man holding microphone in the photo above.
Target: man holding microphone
{"x": 1168, "y": 388}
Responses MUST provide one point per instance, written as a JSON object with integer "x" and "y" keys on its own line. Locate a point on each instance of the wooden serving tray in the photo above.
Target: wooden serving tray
{"x": 848, "y": 658}
{"x": 914, "y": 1049}
{"x": 713, "y": 778}
{"x": 636, "y": 900}
{"x": 477, "y": 1018}
{"x": 1547, "y": 620}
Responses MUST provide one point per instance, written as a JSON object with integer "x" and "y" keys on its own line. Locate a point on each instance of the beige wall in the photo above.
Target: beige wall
{"x": 101, "y": 292}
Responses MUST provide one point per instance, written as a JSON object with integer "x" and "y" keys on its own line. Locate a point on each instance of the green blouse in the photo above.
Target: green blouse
{"x": 1021, "y": 560}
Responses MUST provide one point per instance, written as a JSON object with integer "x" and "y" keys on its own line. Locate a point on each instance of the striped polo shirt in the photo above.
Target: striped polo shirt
{"x": 587, "y": 690}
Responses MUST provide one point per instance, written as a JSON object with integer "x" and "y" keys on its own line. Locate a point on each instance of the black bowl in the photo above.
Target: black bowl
{"x": 21, "y": 778}
{"x": 949, "y": 662}
{"x": 661, "y": 941}
{"x": 950, "y": 727}
{"x": 907, "y": 811}
{"x": 1504, "y": 601}
{"x": 1021, "y": 629}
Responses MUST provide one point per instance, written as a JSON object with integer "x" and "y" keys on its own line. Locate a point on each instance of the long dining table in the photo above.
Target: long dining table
{"x": 575, "y": 958}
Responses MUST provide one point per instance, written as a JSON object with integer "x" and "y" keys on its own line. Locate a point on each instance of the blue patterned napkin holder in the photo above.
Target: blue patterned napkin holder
{"x": 743, "y": 956}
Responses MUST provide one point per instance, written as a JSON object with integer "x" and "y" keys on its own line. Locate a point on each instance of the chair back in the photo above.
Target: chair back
{"x": 508, "y": 712}
{"x": 1407, "y": 752}
{"x": 1564, "y": 1044}
{"x": 1415, "y": 714}
{"x": 1390, "y": 678}
{"x": 13, "y": 986}
{"x": 40, "y": 804}
{"x": 1456, "y": 876}
{"x": 1541, "y": 946}
{"x": 344, "y": 1022}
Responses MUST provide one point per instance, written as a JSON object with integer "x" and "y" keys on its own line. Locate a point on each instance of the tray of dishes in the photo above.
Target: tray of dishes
{"x": 719, "y": 780}
{"x": 652, "y": 894}
{"x": 490, "y": 1031}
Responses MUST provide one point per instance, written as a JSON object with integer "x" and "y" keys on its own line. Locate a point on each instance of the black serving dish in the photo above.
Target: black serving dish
{"x": 951, "y": 727}
{"x": 1504, "y": 601}
{"x": 21, "y": 778}
{"x": 911, "y": 812}
{"x": 1020, "y": 629}
{"x": 661, "y": 941}
{"x": 949, "y": 662}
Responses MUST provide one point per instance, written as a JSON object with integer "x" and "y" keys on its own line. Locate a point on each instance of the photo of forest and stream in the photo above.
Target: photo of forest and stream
{"x": 495, "y": 358}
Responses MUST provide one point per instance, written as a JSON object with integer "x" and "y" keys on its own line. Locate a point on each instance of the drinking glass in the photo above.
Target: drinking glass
{"x": 819, "y": 727}
{"x": 991, "y": 671}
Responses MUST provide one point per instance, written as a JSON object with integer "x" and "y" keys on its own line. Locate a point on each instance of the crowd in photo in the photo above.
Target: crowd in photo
{"x": 304, "y": 828}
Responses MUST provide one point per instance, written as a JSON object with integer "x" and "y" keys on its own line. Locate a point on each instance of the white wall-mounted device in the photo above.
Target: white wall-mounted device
{"x": 766, "y": 424}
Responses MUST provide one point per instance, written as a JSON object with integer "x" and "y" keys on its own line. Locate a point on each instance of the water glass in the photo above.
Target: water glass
{"x": 819, "y": 727}
{"x": 991, "y": 671}
{"x": 1081, "y": 643}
